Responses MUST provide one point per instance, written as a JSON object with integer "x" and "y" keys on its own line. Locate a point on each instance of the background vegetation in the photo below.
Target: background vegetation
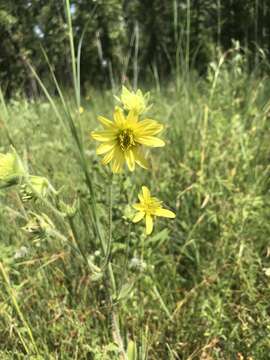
{"x": 198, "y": 287}
{"x": 151, "y": 36}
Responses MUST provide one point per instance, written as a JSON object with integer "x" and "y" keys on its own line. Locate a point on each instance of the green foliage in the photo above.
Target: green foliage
{"x": 198, "y": 287}
{"x": 125, "y": 39}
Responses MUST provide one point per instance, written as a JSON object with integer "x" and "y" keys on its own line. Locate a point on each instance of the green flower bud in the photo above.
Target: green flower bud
{"x": 39, "y": 226}
{"x": 11, "y": 170}
{"x": 36, "y": 185}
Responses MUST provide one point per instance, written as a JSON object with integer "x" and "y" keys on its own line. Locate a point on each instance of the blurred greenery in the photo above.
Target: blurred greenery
{"x": 123, "y": 37}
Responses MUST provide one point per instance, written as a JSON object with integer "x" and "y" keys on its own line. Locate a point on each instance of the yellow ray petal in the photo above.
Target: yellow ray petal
{"x": 147, "y": 127}
{"x": 132, "y": 117}
{"x": 118, "y": 161}
{"x": 140, "y": 196}
{"x": 165, "y": 213}
{"x": 125, "y": 91}
{"x": 157, "y": 202}
{"x": 108, "y": 157}
{"x": 106, "y": 122}
{"x": 138, "y": 207}
{"x": 103, "y": 136}
{"x": 150, "y": 141}
{"x": 146, "y": 193}
{"x": 138, "y": 217}
{"x": 149, "y": 224}
{"x": 140, "y": 158}
{"x": 103, "y": 148}
{"x": 129, "y": 156}
{"x": 119, "y": 117}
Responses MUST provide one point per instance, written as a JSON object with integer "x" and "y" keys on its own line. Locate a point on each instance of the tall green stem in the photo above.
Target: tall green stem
{"x": 18, "y": 309}
{"x": 112, "y": 292}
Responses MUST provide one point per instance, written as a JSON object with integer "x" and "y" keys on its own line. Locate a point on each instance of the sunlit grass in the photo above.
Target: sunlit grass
{"x": 197, "y": 287}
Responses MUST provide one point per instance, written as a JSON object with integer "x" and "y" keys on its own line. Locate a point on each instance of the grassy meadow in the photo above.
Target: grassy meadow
{"x": 198, "y": 287}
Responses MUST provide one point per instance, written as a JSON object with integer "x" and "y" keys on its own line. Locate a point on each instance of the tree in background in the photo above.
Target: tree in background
{"x": 124, "y": 37}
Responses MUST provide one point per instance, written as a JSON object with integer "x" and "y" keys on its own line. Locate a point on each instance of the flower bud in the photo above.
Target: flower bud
{"x": 11, "y": 170}
{"x": 36, "y": 186}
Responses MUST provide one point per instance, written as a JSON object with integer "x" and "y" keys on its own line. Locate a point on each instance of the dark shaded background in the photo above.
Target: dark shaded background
{"x": 126, "y": 36}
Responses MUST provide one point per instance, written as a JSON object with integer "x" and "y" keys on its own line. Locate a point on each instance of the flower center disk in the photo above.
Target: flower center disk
{"x": 126, "y": 139}
{"x": 152, "y": 205}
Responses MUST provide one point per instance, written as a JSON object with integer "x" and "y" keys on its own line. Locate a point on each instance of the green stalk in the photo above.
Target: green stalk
{"x": 6, "y": 116}
{"x": 17, "y": 307}
{"x": 188, "y": 38}
{"x": 76, "y": 72}
{"x": 71, "y": 125}
{"x": 136, "y": 53}
{"x": 116, "y": 334}
{"x": 73, "y": 56}
{"x": 75, "y": 237}
{"x": 106, "y": 247}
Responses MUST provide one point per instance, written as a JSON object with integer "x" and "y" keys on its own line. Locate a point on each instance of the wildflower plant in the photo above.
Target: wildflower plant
{"x": 148, "y": 208}
{"x": 35, "y": 185}
{"x": 123, "y": 140}
{"x": 134, "y": 100}
{"x": 86, "y": 250}
{"x": 11, "y": 169}
{"x": 47, "y": 216}
{"x": 13, "y": 172}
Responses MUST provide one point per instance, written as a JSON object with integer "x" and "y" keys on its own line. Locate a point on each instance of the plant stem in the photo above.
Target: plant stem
{"x": 17, "y": 308}
{"x": 112, "y": 293}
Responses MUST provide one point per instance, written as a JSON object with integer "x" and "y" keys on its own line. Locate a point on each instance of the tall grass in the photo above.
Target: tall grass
{"x": 196, "y": 288}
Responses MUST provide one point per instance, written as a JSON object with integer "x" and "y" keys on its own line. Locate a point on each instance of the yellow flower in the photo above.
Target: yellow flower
{"x": 150, "y": 207}
{"x": 122, "y": 139}
{"x": 11, "y": 169}
{"x": 81, "y": 110}
{"x": 134, "y": 101}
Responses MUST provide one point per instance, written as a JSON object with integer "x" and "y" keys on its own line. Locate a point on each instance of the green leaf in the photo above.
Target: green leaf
{"x": 131, "y": 350}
